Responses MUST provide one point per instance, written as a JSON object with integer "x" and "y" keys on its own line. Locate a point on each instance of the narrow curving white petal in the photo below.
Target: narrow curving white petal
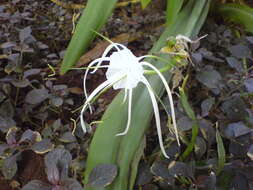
{"x": 86, "y": 73}
{"x": 129, "y": 113}
{"x": 145, "y": 56}
{"x": 157, "y": 116}
{"x": 125, "y": 96}
{"x": 87, "y": 102}
{"x": 102, "y": 86}
{"x": 107, "y": 50}
{"x": 173, "y": 115}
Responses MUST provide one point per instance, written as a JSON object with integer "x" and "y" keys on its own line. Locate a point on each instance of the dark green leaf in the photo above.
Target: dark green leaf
{"x": 3, "y": 147}
{"x": 237, "y": 129}
{"x": 30, "y": 72}
{"x": 240, "y": 51}
{"x": 36, "y": 96}
{"x": 200, "y": 147}
{"x": 207, "y": 130}
{"x": 102, "y": 175}
{"x": 240, "y": 181}
{"x": 234, "y": 63}
{"x": 184, "y": 123}
{"x": 180, "y": 169}
{"x": 210, "y": 78}
{"x": 10, "y": 167}
{"x": 43, "y": 146}
{"x": 56, "y": 101}
{"x": 57, "y": 164}
{"x": 37, "y": 185}
{"x": 20, "y": 83}
{"x": 6, "y": 123}
{"x": 235, "y": 109}
{"x": 6, "y": 109}
{"x": 71, "y": 184}
{"x": 11, "y": 136}
{"x": 249, "y": 85}
{"x": 144, "y": 175}
{"x": 160, "y": 169}
{"x": 206, "y": 105}
{"x": 67, "y": 137}
{"x": 31, "y": 136}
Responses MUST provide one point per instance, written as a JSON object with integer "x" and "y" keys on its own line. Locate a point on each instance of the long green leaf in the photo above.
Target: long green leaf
{"x": 93, "y": 18}
{"x": 241, "y": 14}
{"x": 173, "y": 7}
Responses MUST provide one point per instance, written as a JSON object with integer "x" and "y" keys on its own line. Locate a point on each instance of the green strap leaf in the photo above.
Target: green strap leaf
{"x": 93, "y": 18}
{"x": 235, "y": 12}
{"x": 173, "y": 8}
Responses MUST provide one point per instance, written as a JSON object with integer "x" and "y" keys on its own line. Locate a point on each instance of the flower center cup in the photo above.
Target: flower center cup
{"x": 124, "y": 63}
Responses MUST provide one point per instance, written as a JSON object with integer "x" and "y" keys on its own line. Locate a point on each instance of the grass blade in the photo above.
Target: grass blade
{"x": 221, "y": 152}
{"x": 190, "y": 113}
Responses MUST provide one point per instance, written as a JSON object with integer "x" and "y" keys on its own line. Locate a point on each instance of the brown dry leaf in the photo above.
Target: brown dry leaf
{"x": 177, "y": 78}
{"x": 75, "y": 90}
{"x": 97, "y": 51}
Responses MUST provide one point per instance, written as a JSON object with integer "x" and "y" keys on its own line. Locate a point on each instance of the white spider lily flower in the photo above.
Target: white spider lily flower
{"x": 126, "y": 71}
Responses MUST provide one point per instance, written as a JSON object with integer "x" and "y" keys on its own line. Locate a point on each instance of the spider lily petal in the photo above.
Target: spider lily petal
{"x": 96, "y": 61}
{"x": 125, "y": 96}
{"x": 129, "y": 113}
{"x": 157, "y": 116}
{"x": 107, "y": 50}
{"x": 169, "y": 95}
{"x": 93, "y": 94}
